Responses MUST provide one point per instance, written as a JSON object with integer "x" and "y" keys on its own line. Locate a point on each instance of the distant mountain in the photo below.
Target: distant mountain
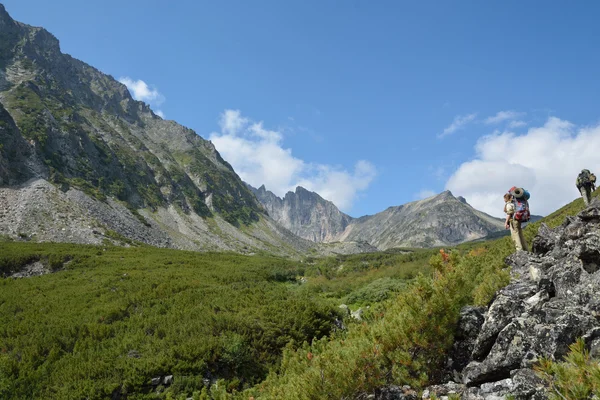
{"x": 440, "y": 220}
{"x": 305, "y": 213}
{"x": 81, "y": 160}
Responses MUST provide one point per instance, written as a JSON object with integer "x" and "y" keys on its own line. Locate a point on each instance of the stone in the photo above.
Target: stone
{"x": 344, "y": 309}
{"x": 357, "y": 315}
{"x": 468, "y": 327}
{"x": 393, "y": 392}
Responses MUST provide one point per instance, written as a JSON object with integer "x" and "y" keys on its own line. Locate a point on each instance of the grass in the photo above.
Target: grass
{"x": 365, "y": 279}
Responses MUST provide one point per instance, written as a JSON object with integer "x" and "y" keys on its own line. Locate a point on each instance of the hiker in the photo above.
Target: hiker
{"x": 516, "y": 208}
{"x": 586, "y": 184}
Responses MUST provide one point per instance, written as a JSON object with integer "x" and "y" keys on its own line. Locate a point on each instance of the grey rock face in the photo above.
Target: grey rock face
{"x": 305, "y": 213}
{"x": 33, "y": 269}
{"x": 440, "y": 220}
{"x": 469, "y": 325}
{"x": 393, "y": 392}
{"x": 551, "y": 301}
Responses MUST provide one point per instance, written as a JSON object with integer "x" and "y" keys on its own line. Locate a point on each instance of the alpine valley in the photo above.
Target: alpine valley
{"x": 135, "y": 264}
{"x": 82, "y": 161}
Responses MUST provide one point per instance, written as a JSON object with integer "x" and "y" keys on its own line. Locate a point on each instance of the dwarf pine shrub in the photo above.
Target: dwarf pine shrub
{"x": 406, "y": 345}
{"x": 576, "y": 377}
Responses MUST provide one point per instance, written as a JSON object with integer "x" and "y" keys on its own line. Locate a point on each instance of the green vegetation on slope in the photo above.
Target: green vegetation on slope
{"x": 406, "y": 343}
{"x": 365, "y": 279}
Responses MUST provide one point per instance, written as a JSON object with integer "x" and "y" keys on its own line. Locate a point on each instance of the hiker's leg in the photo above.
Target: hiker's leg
{"x": 514, "y": 233}
{"x": 588, "y": 194}
{"x": 584, "y": 194}
{"x": 521, "y": 236}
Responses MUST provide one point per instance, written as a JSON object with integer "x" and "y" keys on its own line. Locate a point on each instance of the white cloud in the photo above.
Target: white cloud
{"x": 141, "y": 91}
{"x": 516, "y": 124}
{"x": 425, "y": 193}
{"x": 460, "y": 121}
{"x": 160, "y": 113}
{"x": 258, "y": 156}
{"x": 503, "y": 116}
{"x": 231, "y": 122}
{"x": 545, "y": 160}
{"x": 338, "y": 185}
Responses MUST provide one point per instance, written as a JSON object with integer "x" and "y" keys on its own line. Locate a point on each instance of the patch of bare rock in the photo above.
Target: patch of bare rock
{"x": 33, "y": 269}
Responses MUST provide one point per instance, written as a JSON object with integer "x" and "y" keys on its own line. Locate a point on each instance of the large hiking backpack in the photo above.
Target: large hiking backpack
{"x": 586, "y": 178}
{"x": 521, "y": 210}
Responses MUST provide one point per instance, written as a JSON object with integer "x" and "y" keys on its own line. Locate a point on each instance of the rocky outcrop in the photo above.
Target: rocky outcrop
{"x": 552, "y": 299}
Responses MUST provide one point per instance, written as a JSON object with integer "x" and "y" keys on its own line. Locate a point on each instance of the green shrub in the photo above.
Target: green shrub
{"x": 405, "y": 345}
{"x": 577, "y": 377}
{"x": 115, "y": 317}
{"x": 376, "y": 291}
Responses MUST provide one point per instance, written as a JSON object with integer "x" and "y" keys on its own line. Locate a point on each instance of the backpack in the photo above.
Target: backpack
{"x": 521, "y": 210}
{"x": 585, "y": 178}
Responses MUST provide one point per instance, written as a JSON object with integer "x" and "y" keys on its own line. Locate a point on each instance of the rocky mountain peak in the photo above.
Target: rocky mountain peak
{"x": 436, "y": 221}
{"x": 462, "y": 200}
{"x": 4, "y": 16}
{"x": 305, "y": 213}
{"x": 445, "y": 196}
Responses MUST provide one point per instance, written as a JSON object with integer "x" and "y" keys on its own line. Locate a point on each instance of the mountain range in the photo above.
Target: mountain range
{"x": 439, "y": 220}
{"x": 82, "y": 161}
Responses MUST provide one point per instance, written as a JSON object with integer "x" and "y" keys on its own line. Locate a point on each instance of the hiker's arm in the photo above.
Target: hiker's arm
{"x": 509, "y": 209}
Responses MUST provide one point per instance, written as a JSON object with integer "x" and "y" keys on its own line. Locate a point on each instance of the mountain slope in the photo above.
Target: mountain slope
{"x": 66, "y": 123}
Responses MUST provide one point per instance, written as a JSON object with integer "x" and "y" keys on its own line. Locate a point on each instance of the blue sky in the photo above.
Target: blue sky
{"x": 371, "y": 104}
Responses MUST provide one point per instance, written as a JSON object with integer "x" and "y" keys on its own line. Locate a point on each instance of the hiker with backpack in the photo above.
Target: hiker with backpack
{"x": 516, "y": 208}
{"x": 586, "y": 184}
